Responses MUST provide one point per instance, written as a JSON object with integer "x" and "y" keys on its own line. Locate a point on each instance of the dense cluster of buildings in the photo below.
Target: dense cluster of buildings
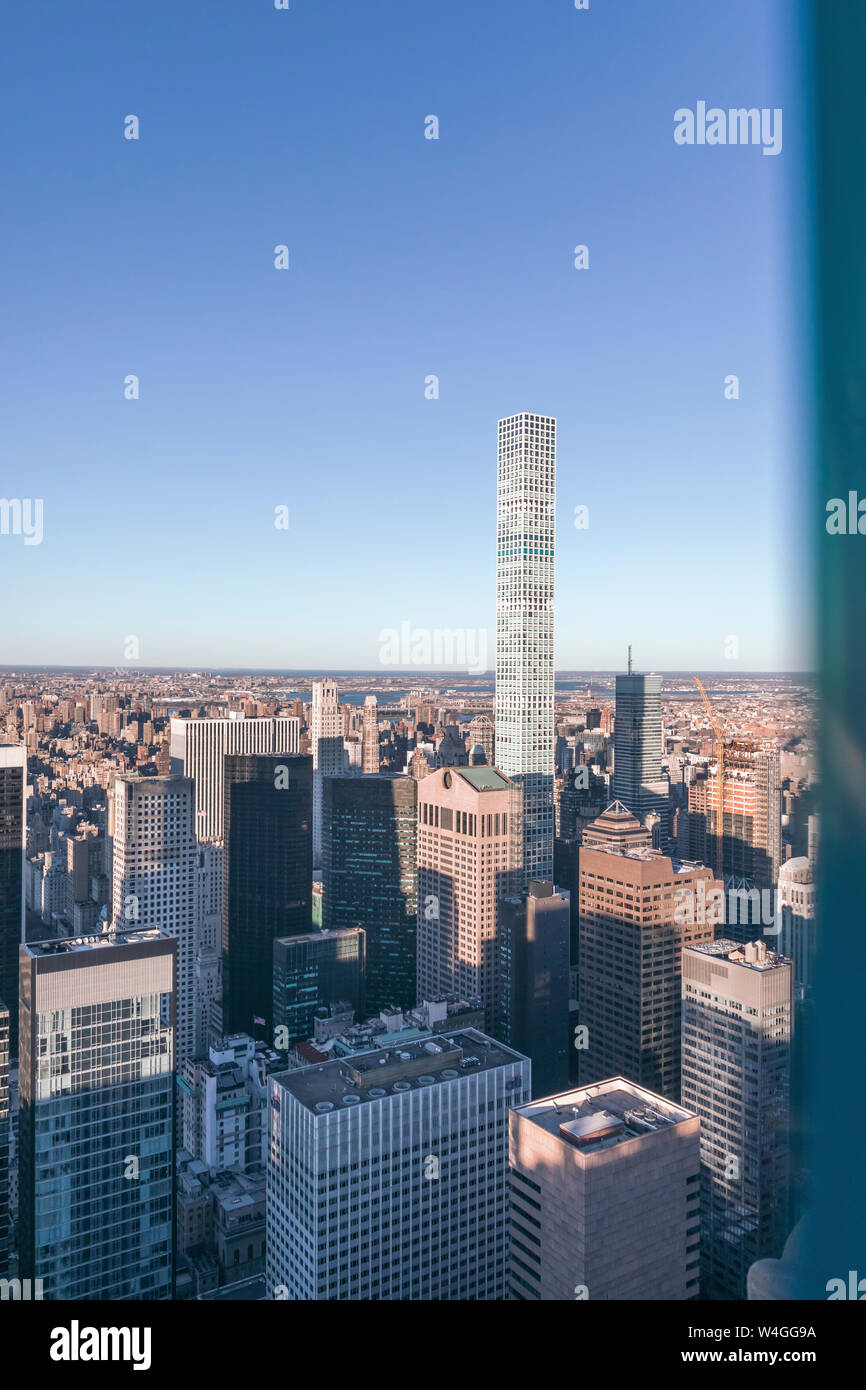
{"x": 415, "y": 994}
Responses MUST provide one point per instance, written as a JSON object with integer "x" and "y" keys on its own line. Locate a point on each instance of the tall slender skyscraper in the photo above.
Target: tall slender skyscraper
{"x": 155, "y": 866}
{"x": 326, "y": 745}
{"x": 526, "y": 527}
{"x": 638, "y": 744}
{"x": 97, "y": 1118}
{"x": 267, "y": 876}
{"x": 13, "y": 796}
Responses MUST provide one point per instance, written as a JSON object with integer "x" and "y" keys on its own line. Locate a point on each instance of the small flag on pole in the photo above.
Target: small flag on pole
{"x": 258, "y": 1020}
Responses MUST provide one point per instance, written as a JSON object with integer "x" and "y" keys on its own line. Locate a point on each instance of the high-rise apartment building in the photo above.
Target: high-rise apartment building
{"x": 524, "y": 704}
{"x": 533, "y": 990}
{"x": 199, "y": 748}
{"x": 466, "y": 845}
{"x": 736, "y": 1075}
{"x": 603, "y": 1196}
{"x": 267, "y": 876}
{"x": 329, "y": 754}
{"x": 316, "y": 971}
{"x": 97, "y": 1116}
{"x": 4, "y": 1139}
{"x": 13, "y": 801}
{"x": 752, "y": 811}
{"x": 638, "y": 909}
{"x": 387, "y": 1173}
{"x": 370, "y": 756}
{"x": 369, "y": 839}
{"x": 155, "y": 877}
{"x": 638, "y": 746}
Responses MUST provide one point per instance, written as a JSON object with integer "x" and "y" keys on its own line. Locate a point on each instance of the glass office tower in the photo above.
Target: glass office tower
{"x": 96, "y": 1121}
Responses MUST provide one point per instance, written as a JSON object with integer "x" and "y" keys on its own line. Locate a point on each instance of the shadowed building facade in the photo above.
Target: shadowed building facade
{"x": 368, "y": 877}
{"x": 13, "y": 792}
{"x": 267, "y": 876}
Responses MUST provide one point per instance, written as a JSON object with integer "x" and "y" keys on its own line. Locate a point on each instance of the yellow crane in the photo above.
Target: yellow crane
{"x": 719, "y": 731}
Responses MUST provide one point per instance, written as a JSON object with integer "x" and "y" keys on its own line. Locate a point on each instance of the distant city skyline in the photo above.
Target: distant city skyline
{"x": 410, "y": 258}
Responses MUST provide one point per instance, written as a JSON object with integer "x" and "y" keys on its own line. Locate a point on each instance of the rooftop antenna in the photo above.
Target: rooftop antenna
{"x": 629, "y": 658}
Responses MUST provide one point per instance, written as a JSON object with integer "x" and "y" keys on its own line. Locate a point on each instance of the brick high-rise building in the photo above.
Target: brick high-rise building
{"x": 638, "y": 908}
{"x": 604, "y": 1188}
{"x": 466, "y": 844}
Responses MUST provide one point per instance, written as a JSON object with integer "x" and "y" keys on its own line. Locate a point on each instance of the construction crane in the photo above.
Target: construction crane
{"x": 719, "y": 731}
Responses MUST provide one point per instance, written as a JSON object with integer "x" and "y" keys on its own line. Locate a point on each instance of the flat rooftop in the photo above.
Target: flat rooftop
{"x": 616, "y": 1110}
{"x": 409, "y": 1066}
{"x": 67, "y": 945}
{"x": 754, "y": 955}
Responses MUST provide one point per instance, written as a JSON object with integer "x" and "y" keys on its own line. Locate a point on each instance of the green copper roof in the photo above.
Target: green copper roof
{"x": 483, "y": 779}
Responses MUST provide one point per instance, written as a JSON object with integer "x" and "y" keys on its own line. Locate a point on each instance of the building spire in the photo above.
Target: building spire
{"x": 629, "y": 658}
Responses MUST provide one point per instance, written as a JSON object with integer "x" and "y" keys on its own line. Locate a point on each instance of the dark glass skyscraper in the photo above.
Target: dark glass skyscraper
{"x": 369, "y": 877}
{"x": 96, "y": 1124}
{"x": 533, "y": 947}
{"x": 4, "y": 1139}
{"x": 638, "y": 746}
{"x": 267, "y": 875}
{"x": 13, "y": 788}
{"x": 315, "y": 971}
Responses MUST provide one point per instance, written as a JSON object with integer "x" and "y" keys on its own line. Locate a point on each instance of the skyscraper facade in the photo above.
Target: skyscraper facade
{"x": 155, "y": 864}
{"x": 370, "y": 754}
{"x": 797, "y": 926}
{"x": 638, "y": 909}
{"x": 422, "y": 1134}
{"x": 604, "y": 1188}
{"x": 4, "y": 1139}
{"x": 267, "y": 876}
{"x": 199, "y": 748}
{"x": 524, "y": 703}
{"x": 736, "y": 1075}
{"x": 326, "y": 745}
{"x": 13, "y": 800}
{"x": 466, "y": 844}
{"x": 532, "y": 1006}
{"x": 97, "y": 1116}
{"x": 369, "y": 877}
{"x": 638, "y": 743}
{"x": 316, "y": 971}
{"x": 752, "y": 815}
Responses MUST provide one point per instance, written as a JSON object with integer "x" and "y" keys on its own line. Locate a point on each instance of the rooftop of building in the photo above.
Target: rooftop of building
{"x": 754, "y": 955}
{"x": 483, "y": 779}
{"x": 645, "y": 855}
{"x": 604, "y": 1114}
{"x": 414, "y": 1065}
{"x": 58, "y": 946}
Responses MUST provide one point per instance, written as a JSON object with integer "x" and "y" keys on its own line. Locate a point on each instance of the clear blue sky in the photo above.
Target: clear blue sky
{"x": 409, "y": 257}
